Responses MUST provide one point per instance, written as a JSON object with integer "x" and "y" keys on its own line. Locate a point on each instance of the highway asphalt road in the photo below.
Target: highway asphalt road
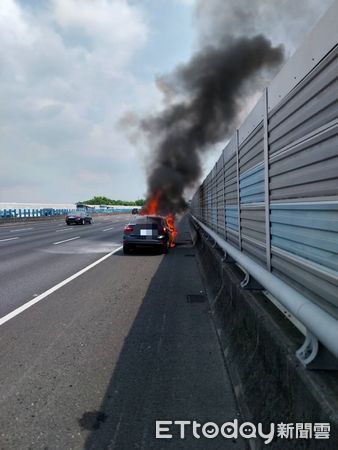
{"x": 35, "y": 256}
{"x": 95, "y": 363}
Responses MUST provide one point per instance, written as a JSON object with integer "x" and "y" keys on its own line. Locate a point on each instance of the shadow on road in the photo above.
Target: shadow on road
{"x": 170, "y": 368}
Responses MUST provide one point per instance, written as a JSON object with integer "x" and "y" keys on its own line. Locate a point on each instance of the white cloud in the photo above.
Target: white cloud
{"x": 14, "y": 29}
{"x": 65, "y": 81}
{"x": 109, "y": 26}
{"x": 187, "y": 2}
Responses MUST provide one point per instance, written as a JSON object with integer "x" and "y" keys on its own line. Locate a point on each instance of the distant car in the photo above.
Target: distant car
{"x": 145, "y": 232}
{"x": 135, "y": 211}
{"x": 79, "y": 218}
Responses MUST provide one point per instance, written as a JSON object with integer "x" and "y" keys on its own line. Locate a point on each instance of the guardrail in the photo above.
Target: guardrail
{"x": 28, "y": 213}
{"x": 272, "y": 195}
{"x": 319, "y": 324}
{"x": 51, "y": 212}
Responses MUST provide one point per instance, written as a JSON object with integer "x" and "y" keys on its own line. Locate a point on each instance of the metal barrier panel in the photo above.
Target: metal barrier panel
{"x": 303, "y": 155}
{"x": 279, "y": 174}
{"x": 231, "y": 192}
{"x": 251, "y": 187}
{"x": 214, "y": 198}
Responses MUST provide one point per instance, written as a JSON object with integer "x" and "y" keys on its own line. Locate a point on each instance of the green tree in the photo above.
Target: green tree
{"x": 101, "y": 200}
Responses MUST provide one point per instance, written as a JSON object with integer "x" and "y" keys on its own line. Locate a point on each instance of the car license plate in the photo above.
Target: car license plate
{"x": 146, "y": 232}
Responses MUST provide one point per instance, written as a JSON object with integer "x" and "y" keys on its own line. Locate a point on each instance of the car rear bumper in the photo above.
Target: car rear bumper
{"x": 135, "y": 242}
{"x": 73, "y": 221}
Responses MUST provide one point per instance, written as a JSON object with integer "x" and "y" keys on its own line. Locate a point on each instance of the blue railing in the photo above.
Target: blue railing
{"x": 28, "y": 213}
{"x": 51, "y": 212}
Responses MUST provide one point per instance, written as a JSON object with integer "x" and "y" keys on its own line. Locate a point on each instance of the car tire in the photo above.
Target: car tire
{"x": 83, "y": 222}
{"x": 166, "y": 248}
{"x": 126, "y": 250}
{"x": 67, "y": 223}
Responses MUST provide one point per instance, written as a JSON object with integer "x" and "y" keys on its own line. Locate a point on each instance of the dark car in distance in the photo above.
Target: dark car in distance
{"x": 78, "y": 218}
{"x": 146, "y": 232}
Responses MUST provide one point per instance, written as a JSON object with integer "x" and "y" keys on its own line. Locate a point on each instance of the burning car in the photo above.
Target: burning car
{"x": 147, "y": 231}
{"x": 150, "y": 229}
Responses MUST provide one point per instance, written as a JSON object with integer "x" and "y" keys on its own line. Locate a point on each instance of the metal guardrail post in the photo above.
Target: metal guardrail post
{"x": 267, "y": 182}
{"x": 238, "y": 192}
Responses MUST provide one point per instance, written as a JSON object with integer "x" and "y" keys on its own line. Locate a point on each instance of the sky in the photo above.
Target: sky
{"x": 70, "y": 69}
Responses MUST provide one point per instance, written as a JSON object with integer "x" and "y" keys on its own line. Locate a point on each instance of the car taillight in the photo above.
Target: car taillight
{"x": 162, "y": 230}
{"x": 128, "y": 229}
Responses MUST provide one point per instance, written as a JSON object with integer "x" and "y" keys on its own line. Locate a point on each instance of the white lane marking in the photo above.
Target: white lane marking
{"x": 21, "y": 229}
{"x": 45, "y": 294}
{"x": 66, "y": 240}
{"x": 38, "y": 227}
{"x": 9, "y": 239}
{"x": 107, "y": 229}
{"x": 2, "y": 227}
{"x": 66, "y": 229}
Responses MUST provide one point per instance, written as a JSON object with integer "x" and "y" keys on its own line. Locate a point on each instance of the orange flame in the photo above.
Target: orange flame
{"x": 171, "y": 224}
{"x": 151, "y": 208}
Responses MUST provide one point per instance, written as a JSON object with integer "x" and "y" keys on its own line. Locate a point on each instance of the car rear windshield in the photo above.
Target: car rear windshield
{"x": 147, "y": 219}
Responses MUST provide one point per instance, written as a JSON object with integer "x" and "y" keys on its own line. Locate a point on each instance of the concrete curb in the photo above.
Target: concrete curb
{"x": 259, "y": 346}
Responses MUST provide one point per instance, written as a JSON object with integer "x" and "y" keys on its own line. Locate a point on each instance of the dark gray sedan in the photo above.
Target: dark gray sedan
{"x": 78, "y": 218}
{"x": 146, "y": 231}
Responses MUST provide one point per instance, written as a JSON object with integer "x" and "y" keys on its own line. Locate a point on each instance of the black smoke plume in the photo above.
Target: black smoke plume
{"x": 211, "y": 88}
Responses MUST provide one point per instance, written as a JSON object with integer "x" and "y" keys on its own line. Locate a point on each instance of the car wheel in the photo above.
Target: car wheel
{"x": 126, "y": 250}
{"x": 83, "y": 222}
{"x": 166, "y": 247}
{"x": 67, "y": 223}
